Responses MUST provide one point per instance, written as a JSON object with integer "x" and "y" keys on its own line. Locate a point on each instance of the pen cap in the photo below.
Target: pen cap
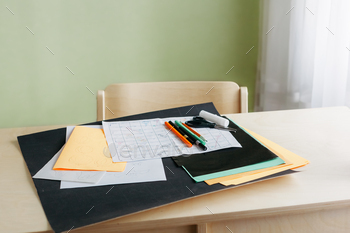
{"x": 214, "y": 118}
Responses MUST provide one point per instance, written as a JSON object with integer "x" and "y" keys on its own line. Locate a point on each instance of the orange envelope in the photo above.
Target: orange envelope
{"x": 293, "y": 161}
{"x": 86, "y": 150}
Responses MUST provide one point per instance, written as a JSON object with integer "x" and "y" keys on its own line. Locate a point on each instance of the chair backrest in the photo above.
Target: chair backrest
{"x": 124, "y": 99}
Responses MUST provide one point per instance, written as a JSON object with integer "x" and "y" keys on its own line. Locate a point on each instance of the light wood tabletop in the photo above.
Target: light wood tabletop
{"x": 316, "y": 199}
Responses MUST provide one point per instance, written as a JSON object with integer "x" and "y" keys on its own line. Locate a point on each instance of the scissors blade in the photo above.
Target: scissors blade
{"x": 227, "y": 129}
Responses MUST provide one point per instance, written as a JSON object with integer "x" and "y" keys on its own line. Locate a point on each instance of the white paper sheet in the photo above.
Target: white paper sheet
{"x": 47, "y": 173}
{"x": 148, "y": 139}
{"x": 135, "y": 172}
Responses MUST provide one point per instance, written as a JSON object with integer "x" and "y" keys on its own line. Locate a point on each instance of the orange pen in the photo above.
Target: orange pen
{"x": 193, "y": 131}
{"x": 178, "y": 134}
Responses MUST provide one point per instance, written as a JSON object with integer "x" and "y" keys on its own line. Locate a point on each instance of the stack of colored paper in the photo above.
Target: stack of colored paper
{"x": 137, "y": 149}
{"x": 85, "y": 161}
{"x": 86, "y": 151}
{"x": 257, "y": 158}
{"x": 291, "y": 161}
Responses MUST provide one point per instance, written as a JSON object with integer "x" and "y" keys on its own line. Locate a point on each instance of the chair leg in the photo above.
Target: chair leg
{"x": 244, "y": 99}
{"x": 203, "y": 228}
{"x": 101, "y": 106}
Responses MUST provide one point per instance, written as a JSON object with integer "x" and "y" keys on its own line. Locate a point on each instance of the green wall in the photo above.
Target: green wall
{"x": 104, "y": 42}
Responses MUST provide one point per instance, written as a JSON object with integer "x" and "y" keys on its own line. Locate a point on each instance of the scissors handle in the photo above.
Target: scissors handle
{"x": 199, "y": 122}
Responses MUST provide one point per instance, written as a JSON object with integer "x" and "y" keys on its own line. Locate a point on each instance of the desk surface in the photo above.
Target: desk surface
{"x": 319, "y": 135}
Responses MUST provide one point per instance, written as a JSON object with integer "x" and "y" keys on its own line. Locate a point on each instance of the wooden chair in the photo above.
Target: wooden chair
{"x": 124, "y": 99}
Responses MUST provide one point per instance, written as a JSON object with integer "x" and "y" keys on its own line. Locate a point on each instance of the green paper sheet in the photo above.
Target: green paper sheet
{"x": 262, "y": 165}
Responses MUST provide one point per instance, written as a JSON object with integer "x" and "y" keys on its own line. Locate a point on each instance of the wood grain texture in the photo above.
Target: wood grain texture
{"x": 244, "y": 99}
{"x": 203, "y": 228}
{"x": 153, "y": 229}
{"x": 322, "y": 221}
{"x": 101, "y": 106}
{"x": 20, "y": 208}
{"x": 317, "y": 197}
{"x": 133, "y": 98}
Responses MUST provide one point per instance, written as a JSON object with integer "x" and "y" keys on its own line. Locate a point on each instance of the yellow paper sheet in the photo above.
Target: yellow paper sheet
{"x": 245, "y": 174}
{"x": 292, "y": 161}
{"x": 85, "y": 151}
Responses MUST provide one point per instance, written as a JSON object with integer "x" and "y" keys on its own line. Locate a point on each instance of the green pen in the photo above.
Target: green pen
{"x": 189, "y": 132}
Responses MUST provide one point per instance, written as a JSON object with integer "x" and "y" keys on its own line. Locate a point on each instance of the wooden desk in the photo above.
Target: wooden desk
{"x": 317, "y": 199}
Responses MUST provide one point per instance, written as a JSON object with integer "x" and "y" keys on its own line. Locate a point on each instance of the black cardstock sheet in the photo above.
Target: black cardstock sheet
{"x": 78, "y": 207}
{"x": 252, "y": 152}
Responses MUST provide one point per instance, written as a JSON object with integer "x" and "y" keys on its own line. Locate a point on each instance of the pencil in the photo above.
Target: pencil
{"x": 179, "y": 123}
{"x": 193, "y": 131}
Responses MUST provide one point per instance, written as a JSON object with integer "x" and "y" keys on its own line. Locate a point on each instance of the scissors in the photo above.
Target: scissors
{"x": 200, "y": 122}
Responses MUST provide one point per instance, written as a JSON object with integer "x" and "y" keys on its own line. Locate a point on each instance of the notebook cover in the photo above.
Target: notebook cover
{"x": 84, "y": 206}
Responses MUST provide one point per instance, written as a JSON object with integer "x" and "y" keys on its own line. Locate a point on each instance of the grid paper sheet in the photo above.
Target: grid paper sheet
{"x": 149, "y": 139}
